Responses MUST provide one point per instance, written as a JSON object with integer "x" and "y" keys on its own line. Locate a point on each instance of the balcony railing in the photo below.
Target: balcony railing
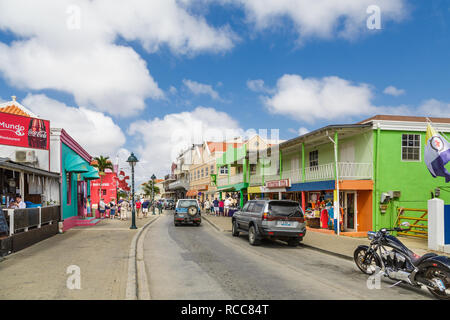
{"x": 256, "y": 180}
{"x": 296, "y": 175}
{"x": 322, "y": 172}
{"x": 179, "y": 184}
{"x": 170, "y": 177}
{"x": 225, "y": 181}
{"x": 353, "y": 171}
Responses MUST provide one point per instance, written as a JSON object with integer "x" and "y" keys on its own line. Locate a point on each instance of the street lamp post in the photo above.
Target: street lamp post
{"x": 132, "y": 160}
{"x": 153, "y": 192}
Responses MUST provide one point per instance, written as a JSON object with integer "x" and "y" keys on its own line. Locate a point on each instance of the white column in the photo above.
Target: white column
{"x": 436, "y": 224}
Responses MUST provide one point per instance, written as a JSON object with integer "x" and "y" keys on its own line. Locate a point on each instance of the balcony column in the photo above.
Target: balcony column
{"x": 244, "y": 170}
{"x": 281, "y": 165}
{"x": 303, "y": 163}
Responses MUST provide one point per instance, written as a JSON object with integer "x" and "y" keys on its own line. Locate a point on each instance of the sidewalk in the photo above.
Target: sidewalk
{"x": 342, "y": 246}
{"x": 101, "y": 252}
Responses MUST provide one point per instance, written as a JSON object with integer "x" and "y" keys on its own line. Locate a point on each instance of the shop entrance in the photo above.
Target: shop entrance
{"x": 350, "y": 216}
{"x": 81, "y": 198}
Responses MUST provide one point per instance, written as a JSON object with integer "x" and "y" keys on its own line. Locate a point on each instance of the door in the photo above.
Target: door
{"x": 350, "y": 223}
{"x": 80, "y": 198}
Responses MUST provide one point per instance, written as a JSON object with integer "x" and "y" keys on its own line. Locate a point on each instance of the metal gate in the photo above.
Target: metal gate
{"x": 419, "y": 225}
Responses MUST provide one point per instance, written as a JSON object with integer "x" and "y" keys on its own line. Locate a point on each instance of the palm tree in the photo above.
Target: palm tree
{"x": 102, "y": 163}
{"x": 147, "y": 188}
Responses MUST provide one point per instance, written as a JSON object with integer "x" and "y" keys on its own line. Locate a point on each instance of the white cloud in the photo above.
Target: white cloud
{"x": 302, "y": 131}
{"x": 323, "y": 19}
{"x": 434, "y": 108}
{"x": 393, "y": 91}
{"x": 93, "y": 130}
{"x": 200, "y": 88}
{"x": 85, "y": 60}
{"x": 162, "y": 139}
{"x": 312, "y": 99}
{"x": 258, "y": 86}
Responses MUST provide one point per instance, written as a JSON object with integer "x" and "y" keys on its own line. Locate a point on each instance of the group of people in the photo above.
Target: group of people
{"x": 123, "y": 208}
{"x": 220, "y": 207}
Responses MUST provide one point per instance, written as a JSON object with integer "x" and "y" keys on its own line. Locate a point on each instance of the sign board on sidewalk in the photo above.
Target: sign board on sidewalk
{"x": 3, "y": 224}
{"x": 23, "y": 131}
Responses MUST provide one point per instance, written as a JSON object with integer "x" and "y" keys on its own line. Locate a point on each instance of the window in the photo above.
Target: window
{"x": 206, "y": 171}
{"x": 212, "y": 169}
{"x": 246, "y": 206}
{"x": 253, "y": 168}
{"x": 69, "y": 187}
{"x": 258, "y": 207}
{"x": 411, "y": 147}
{"x": 224, "y": 170}
{"x": 314, "y": 159}
{"x": 104, "y": 192}
{"x": 203, "y": 172}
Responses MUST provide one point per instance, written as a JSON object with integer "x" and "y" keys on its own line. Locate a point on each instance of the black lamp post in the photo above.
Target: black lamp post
{"x": 153, "y": 192}
{"x": 132, "y": 160}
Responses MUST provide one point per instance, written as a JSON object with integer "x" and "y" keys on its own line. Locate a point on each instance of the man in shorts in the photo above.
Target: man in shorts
{"x": 216, "y": 206}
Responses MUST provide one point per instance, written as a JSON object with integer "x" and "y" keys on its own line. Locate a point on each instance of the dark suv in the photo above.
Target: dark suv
{"x": 270, "y": 219}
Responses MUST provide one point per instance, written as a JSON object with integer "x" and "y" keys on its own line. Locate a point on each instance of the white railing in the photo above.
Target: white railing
{"x": 348, "y": 170}
{"x": 271, "y": 177}
{"x": 225, "y": 181}
{"x": 322, "y": 172}
{"x": 256, "y": 180}
{"x": 296, "y": 175}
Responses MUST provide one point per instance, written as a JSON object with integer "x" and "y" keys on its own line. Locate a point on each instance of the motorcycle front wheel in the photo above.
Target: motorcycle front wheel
{"x": 437, "y": 273}
{"x": 369, "y": 264}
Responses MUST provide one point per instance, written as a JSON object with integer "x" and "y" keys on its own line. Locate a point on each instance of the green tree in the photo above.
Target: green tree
{"x": 147, "y": 188}
{"x": 102, "y": 163}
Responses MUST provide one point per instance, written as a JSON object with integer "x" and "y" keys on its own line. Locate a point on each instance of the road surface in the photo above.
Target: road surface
{"x": 191, "y": 262}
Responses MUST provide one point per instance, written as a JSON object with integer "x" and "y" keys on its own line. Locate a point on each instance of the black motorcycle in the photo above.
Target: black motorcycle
{"x": 392, "y": 259}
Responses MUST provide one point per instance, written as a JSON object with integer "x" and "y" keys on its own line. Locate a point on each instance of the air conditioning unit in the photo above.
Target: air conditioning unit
{"x": 26, "y": 156}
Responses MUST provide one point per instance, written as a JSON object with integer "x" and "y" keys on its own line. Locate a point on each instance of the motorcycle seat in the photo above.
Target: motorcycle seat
{"x": 418, "y": 261}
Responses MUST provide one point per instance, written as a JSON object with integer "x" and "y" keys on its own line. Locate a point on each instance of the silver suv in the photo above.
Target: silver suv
{"x": 270, "y": 219}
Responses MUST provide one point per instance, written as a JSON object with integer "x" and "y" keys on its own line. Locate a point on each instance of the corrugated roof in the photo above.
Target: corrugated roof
{"x": 406, "y": 118}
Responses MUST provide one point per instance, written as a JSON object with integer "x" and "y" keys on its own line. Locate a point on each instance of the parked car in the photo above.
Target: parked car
{"x": 270, "y": 219}
{"x": 187, "y": 211}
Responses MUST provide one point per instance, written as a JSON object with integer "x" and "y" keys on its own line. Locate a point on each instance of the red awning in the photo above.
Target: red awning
{"x": 192, "y": 193}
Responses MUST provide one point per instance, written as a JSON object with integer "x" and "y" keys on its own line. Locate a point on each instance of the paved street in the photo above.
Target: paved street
{"x": 202, "y": 263}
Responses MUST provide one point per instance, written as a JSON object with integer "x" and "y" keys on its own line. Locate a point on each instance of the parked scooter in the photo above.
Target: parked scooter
{"x": 395, "y": 261}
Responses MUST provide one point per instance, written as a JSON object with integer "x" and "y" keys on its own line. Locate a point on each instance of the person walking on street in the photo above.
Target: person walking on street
{"x": 138, "y": 209}
{"x": 113, "y": 209}
{"x": 145, "y": 206}
{"x": 227, "y": 206}
{"x": 102, "y": 208}
{"x": 160, "y": 207}
{"x": 221, "y": 207}
{"x": 207, "y": 206}
{"x": 216, "y": 207}
{"x": 124, "y": 210}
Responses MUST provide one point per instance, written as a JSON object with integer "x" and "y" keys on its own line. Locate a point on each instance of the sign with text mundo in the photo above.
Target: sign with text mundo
{"x": 23, "y": 131}
{"x": 285, "y": 183}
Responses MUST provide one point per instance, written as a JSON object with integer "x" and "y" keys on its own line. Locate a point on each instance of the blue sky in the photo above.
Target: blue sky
{"x": 410, "y": 53}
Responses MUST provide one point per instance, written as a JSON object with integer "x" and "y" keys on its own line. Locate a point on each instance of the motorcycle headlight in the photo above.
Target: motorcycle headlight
{"x": 371, "y": 235}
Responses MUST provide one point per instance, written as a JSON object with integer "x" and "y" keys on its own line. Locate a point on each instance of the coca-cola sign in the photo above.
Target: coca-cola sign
{"x": 23, "y": 131}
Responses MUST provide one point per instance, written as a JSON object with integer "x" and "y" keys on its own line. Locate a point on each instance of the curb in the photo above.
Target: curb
{"x": 136, "y": 267}
{"x": 331, "y": 253}
{"x": 214, "y": 225}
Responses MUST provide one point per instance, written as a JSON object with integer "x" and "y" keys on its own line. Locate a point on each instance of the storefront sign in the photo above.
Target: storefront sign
{"x": 286, "y": 183}
{"x": 24, "y": 132}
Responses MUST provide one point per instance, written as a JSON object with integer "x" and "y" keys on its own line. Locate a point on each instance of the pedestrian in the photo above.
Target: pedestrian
{"x": 88, "y": 206}
{"x": 221, "y": 207}
{"x": 216, "y": 207}
{"x": 145, "y": 206}
{"x": 207, "y": 206}
{"x": 138, "y": 209}
{"x": 102, "y": 208}
{"x": 124, "y": 210}
{"x": 227, "y": 205}
{"x": 113, "y": 208}
{"x": 160, "y": 207}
